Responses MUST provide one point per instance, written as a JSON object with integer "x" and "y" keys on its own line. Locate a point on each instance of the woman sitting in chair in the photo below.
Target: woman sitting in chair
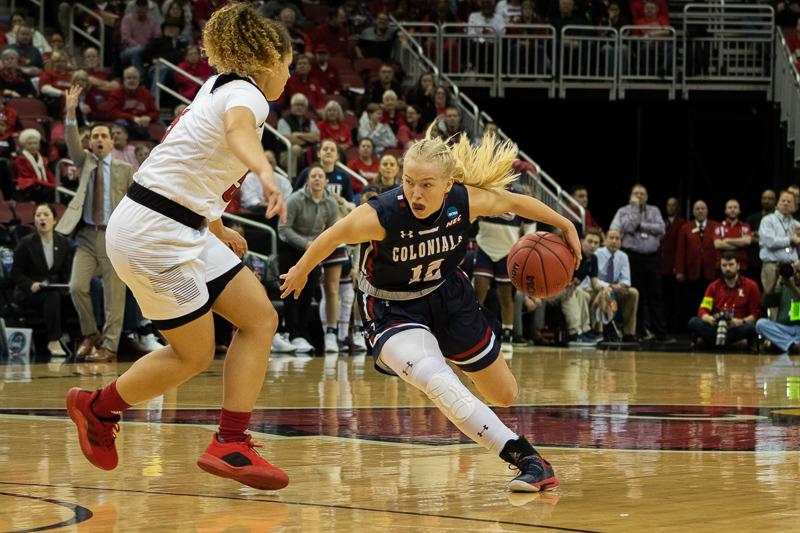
{"x": 34, "y": 177}
{"x": 41, "y": 259}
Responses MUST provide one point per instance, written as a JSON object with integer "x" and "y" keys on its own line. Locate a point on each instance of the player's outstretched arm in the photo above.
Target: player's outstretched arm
{"x": 240, "y": 128}
{"x": 361, "y": 225}
{"x": 494, "y": 202}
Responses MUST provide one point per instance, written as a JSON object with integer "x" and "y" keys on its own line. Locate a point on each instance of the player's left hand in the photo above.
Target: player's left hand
{"x": 275, "y": 201}
{"x": 293, "y": 282}
{"x": 574, "y": 242}
{"x": 234, "y": 240}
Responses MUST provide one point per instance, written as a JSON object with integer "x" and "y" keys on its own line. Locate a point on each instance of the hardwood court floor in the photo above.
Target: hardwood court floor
{"x": 640, "y": 442}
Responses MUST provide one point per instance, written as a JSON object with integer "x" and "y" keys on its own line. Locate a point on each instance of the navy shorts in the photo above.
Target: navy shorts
{"x": 338, "y": 257}
{"x": 451, "y": 313}
{"x": 485, "y": 267}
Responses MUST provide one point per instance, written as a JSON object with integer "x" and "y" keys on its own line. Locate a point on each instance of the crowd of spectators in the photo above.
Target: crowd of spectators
{"x": 647, "y": 275}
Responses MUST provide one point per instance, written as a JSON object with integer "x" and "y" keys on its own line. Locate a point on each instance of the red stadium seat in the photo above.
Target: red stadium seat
{"x": 316, "y": 13}
{"x": 35, "y": 124}
{"x": 342, "y": 64}
{"x": 352, "y": 80}
{"x": 350, "y": 119}
{"x": 156, "y": 132}
{"x": 373, "y": 65}
{"x": 28, "y": 107}
{"x": 397, "y": 152}
{"x": 351, "y": 153}
{"x": 344, "y": 102}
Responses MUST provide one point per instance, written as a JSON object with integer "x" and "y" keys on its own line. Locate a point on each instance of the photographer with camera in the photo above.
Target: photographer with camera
{"x": 729, "y": 308}
{"x": 784, "y": 331}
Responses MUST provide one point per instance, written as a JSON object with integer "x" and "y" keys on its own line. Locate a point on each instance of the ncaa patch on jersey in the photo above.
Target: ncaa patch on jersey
{"x": 452, "y": 212}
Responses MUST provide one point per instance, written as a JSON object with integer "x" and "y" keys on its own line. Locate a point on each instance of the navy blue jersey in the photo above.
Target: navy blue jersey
{"x": 338, "y": 182}
{"x": 415, "y": 255}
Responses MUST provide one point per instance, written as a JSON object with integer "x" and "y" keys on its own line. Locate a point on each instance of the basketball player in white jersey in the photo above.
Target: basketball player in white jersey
{"x": 167, "y": 243}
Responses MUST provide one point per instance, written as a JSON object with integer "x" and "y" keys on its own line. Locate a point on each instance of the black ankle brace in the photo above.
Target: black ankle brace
{"x": 514, "y": 450}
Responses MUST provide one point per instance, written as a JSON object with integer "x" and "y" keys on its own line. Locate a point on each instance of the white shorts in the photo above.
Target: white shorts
{"x": 174, "y": 271}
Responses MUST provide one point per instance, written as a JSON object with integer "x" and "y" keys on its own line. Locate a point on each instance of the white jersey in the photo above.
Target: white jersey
{"x": 194, "y": 165}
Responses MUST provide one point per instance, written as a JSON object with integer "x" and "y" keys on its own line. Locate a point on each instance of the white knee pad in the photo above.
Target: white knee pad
{"x": 414, "y": 355}
{"x": 450, "y": 395}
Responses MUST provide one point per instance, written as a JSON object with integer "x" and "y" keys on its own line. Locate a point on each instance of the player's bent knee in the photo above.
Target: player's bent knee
{"x": 505, "y": 397}
{"x": 450, "y": 395}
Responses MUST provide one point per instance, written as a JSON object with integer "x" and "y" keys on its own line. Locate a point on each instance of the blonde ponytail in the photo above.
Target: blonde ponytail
{"x": 487, "y": 166}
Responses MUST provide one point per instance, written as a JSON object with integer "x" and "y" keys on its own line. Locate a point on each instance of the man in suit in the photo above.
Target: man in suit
{"x": 696, "y": 258}
{"x": 669, "y": 244}
{"x": 103, "y": 182}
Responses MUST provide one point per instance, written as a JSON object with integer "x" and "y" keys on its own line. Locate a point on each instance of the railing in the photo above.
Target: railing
{"x": 528, "y": 55}
{"x": 161, "y": 64}
{"x": 646, "y": 56}
{"x": 74, "y": 28}
{"x": 469, "y": 53}
{"x": 473, "y": 120}
{"x": 536, "y": 187}
{"x": 352, "y": 173}
{"x": 583, "y": 59}
{"x": 727, "y": 47}
{"x": 721, "y": 46}
{"x": 229, "y": 216}
{"x": 787, "y": 91}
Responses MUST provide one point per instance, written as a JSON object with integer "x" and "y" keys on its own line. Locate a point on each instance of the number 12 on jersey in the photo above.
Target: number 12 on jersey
{"x": 432, "y": 271}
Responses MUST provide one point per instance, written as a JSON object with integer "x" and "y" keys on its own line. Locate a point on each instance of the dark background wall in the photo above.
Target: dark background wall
{"x": 712, "y": 147}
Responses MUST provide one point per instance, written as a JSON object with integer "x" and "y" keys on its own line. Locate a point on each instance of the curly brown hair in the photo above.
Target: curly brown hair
{"x": 238, "y": 39}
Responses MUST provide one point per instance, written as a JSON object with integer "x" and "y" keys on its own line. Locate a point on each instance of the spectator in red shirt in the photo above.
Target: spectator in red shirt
{"x": 733, "y": 234}
{"x": 13, "y": 82}
{"x": 301, "y": 42}
{"x": 441, "y": 101}
{"x": 695, "y": 256}
{"x": 333, "y": 33}
{"x": 654, "y": 57}
{"x": 197, "y": 67}
{"x": 413, "y": 129}
{"x": 638, "y": 8}
{"x": 54, "y": 83}
{"x": 391, "y": 116}
{"x": 132, "y": 105}
{"x": 98, "y": 78}
{"x": 34, "y": 177}
{"x": 302, "y": 82}
{"x": 734, "y": 295}
{"x": 6, "y": 150}
{"x": 365, "y": 164}
{"x": 333, "y": 127}
{"x": 581, "y": 195}
{"x": 326, "y": 74}
{"x": 669, "y": 244}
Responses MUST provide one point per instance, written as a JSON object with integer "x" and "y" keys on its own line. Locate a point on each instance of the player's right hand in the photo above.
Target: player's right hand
{"x": 72, "y": 98}
{"x": 293, "y": 282}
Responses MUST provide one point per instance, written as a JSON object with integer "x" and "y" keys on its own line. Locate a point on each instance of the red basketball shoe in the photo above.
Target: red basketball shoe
{"x": 96, "y": 435}
{"x": 240, "y": 461}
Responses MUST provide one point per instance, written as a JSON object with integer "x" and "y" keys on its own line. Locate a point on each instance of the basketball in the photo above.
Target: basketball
{"x": 540, "y": 264}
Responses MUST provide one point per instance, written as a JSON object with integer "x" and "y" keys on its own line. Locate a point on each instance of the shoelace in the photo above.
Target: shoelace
{"x": 108, "y": 433}
{"x": 527, "y": 461}
{"x": 250, "y": 443}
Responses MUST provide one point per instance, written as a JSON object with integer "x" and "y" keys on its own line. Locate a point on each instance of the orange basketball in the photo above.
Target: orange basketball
{"x": 540, "y": 264}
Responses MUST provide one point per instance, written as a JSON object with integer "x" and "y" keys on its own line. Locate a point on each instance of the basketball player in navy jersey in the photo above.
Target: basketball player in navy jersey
{"x": 419, "y": 307}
